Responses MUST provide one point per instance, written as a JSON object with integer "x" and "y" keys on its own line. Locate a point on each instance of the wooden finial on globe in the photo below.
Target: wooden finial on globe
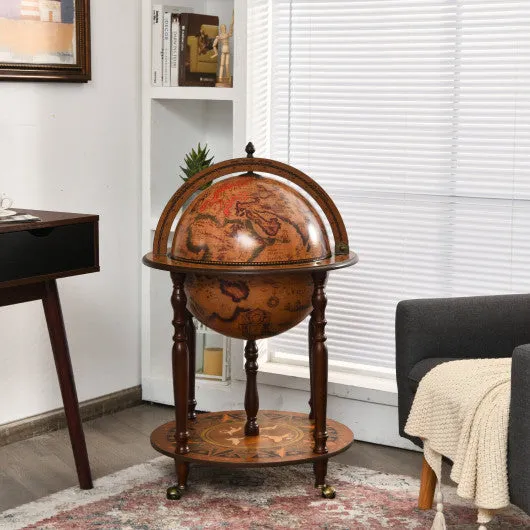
{"x": 250, "y": 150}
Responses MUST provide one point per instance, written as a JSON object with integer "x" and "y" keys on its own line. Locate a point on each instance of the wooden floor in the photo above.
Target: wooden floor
{"x": 34, "y": 468}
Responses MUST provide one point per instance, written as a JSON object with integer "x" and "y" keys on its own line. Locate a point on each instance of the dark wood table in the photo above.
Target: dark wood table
{"x": 32, "y": 256}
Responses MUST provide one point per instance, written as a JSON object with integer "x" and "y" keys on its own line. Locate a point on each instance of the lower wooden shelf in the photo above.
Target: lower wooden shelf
{"x": 285, "y": 438}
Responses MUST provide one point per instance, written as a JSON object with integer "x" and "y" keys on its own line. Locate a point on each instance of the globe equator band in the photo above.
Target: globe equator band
{"x": 164, "y": 262}
{"x": 252, "y": 263}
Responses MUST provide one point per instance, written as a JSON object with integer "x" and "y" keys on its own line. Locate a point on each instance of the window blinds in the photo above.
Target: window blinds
{"x": 415, "y": 117}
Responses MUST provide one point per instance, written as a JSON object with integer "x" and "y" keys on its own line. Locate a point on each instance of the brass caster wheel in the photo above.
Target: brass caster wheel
{"x": 173, "y": 493}
{"x": 328, "y": 492}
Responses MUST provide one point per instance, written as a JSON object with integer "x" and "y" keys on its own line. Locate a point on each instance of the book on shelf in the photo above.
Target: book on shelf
{"x": 174, "y": 60}
{"x": 165, "y": 22}
{"x": 166, "y": 48}
{"x": 156, "y": 45}
{"x": 197, "y": 66}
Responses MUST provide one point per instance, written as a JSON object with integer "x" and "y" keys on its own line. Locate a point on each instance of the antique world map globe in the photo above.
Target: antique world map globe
{"x": 249, "y": 257}
{"x": 250, "y": 220}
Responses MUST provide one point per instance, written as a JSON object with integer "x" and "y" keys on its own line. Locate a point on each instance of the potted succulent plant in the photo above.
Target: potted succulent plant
{"x": 196, "y": 160}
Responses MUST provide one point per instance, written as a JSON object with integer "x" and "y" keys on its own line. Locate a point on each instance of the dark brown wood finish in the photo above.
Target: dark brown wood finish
{"x": 190, "y": 330}
{"x": 320, "y": 468}
{"x": 61, "y": 354}
{"x": 29, "y": 272}
{"x": 251, "y": 391}
{"x": 48, "y": 219}
{"x": 219, "y": 438}
{"x": 310, "y": 338}
{"x": 320, "y": 362}
{"x": 180, "y": 357}
{"x": 61, "y": 245}
{"x": 22, "y": 293}
{"x": 79, "y": 72}
{"x": 183, "y": 471}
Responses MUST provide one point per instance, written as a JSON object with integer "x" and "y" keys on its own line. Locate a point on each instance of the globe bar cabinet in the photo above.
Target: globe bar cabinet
{"x": 249, "y": 258}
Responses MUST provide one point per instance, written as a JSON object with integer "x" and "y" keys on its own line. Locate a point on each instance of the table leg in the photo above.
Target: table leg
{"x": 63, "y": 364}
{"x": 320, "y": 468}
{"x": 192, "y": 402}
{"x": 320, "y": 362}
{"x": 310, "y": 334}
{"x": 251, "y": 392}
{"x": 183, "y": 470}
{"x": 180, "y": 358}
{"x": 427, "y": 486}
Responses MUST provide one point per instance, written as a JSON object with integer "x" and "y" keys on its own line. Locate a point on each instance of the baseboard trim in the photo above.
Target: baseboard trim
{"x": 56, "y": 419}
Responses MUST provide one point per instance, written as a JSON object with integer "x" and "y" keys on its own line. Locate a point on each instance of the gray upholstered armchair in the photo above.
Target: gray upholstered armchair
{"x": 432, "y": 331}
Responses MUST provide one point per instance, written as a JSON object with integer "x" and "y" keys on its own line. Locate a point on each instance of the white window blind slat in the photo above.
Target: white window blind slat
{"x": 415, "y": 117}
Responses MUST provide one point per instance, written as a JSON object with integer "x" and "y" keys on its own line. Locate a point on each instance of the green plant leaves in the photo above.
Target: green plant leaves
{"x": 195, "y": 161}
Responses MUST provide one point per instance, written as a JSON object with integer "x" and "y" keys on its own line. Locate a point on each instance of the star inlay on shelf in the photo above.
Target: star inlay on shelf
{"x": 219, "y": 437}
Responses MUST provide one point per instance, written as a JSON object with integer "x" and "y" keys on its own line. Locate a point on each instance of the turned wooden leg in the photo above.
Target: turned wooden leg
{"x": 320, "y": 467}
{"x": 61, "y": 354}
{"x": 251, "y": 392}
{"x": 192, "y": 402}
{"x": 320, "y": 362}
{"x": 427, "y": 486}
{"x": 180, "y": 357}
{"x": 310, "y": 333}
{"x": 183, "y": 470}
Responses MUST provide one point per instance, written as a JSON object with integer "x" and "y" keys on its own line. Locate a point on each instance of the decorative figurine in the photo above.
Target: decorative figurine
{"x": 224, "y": 79}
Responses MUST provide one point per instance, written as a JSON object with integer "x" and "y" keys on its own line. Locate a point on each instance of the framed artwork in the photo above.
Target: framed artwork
{"x": 46, "y": 40}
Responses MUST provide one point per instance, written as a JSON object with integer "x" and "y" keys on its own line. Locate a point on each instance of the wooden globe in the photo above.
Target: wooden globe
{"x": 250, "y": 220}
{"x": 249, "y": 257}
{"x": 250, "y": 254}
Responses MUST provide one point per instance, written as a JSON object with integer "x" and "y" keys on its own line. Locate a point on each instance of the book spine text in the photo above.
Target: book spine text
{"x": 175, "y": 32}
{"x": 182, "y": 49}
{"x": 156, "y": 46}
{"x": 166, "y": 49}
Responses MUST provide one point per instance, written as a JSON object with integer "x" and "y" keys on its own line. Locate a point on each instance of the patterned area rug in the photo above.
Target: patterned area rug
{"x": 266, "y": 498}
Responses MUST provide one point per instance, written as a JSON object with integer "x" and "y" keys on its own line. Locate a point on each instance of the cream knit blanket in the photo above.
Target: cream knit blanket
{"x": 461, "y": 412}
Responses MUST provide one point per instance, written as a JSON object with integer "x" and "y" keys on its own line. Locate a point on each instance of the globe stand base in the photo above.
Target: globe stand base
{"x": 218, "y": 438}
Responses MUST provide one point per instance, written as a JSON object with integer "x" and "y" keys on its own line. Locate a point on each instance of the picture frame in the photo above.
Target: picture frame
{"x": 45, "y": 40}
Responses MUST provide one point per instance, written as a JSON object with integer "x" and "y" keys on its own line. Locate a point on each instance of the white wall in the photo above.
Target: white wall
{"x": 75, "y": 148}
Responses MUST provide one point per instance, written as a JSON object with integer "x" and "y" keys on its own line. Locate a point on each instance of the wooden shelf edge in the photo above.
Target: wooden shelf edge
{"x": 285, "y": 438}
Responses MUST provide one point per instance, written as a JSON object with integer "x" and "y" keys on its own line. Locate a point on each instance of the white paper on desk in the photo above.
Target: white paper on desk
{"x": 20, "y": 218}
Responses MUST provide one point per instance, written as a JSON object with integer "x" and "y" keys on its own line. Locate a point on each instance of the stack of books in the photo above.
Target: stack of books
{"x": 182, "y": 47}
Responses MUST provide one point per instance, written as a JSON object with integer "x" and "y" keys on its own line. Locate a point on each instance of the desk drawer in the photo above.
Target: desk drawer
{"x": 54, "y": 251}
